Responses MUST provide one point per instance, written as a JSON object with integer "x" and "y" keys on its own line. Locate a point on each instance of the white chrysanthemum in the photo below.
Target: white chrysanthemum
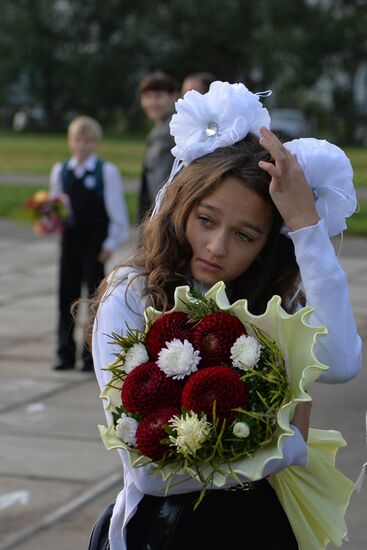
{"x": 135, "y": 356}
{"x": 126, "y": 429}
{"x": 221, "y": 117}
{"x": 245, "y": 352}
{"x": 241, "y": 430}
{"x": 191, "y": 430}
{"x": 178, "y": 359}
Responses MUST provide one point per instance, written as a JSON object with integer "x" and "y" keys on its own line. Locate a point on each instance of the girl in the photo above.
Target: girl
{"x": 239, "y": 210}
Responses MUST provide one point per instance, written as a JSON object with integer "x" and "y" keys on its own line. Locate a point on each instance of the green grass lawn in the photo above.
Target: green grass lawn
{"x": 357, "y": 224}
{"x": 358, "y": 158}
{"x": 36, "y": 153}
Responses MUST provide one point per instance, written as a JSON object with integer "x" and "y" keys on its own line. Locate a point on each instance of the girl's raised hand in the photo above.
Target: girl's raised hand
{"x": 288, "y": 188}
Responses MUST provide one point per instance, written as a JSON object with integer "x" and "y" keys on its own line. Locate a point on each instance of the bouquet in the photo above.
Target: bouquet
{"x": 50, "y": 214}
{"x": 208, "y": 390}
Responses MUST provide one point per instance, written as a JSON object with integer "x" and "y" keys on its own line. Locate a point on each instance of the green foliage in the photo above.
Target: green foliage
{"x": 39, "y": 152}
{"x": 128, "y": 339}
{"x": 88, "y": 56}
{"x": 201, "y": 307}
{"x": 358, "y": 158}
{"x": 357, "y": 224}
{"x": 12, "y": 198}
{"x": 116, "y": 414}
{"x": 125, "y": 342}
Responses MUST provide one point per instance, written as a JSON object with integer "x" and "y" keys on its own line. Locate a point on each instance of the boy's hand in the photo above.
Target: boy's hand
{"x": 289, "y": 189}
{"x": 104, "y": 256}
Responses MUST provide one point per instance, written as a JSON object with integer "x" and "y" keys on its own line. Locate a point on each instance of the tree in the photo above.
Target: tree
{"x": 346, "y": 55}
{"x": 71, "y": 55}
{"x": 88, "y": 56}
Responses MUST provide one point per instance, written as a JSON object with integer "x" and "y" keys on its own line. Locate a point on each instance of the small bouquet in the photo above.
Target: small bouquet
{"x": 208, "y": 389}
{"x": 50, "y": 214}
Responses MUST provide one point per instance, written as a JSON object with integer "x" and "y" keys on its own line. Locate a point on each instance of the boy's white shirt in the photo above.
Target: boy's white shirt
{"x": 326, "y": 288}
{"x": 113, "y": 195}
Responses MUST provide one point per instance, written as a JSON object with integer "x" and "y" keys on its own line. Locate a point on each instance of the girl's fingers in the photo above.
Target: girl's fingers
{"x": 276, "y": 150}
{"x": 272, "y": 144}
{"x": 267, "y": 134}
{"x": 272, "y": 169}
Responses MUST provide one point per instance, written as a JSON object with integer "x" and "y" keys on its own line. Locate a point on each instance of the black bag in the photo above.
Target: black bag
{"x": 99, "y": 536}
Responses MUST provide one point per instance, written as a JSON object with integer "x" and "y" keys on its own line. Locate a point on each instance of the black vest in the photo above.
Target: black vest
{"x": 89, "y": 223}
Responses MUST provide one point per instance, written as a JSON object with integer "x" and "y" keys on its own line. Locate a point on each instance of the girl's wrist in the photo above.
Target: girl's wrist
{"x": 301, "y": 222}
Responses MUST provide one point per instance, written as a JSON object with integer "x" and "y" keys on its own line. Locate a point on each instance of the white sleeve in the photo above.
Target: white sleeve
{"x": 113, "y": 315}
{"x": 114, "y": 198}
{"x": 55, "y": 180}
{"x": 326, "y": 288}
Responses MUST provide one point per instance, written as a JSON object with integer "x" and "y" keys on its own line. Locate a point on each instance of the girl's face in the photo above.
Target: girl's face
{"x": 227, "y": 231}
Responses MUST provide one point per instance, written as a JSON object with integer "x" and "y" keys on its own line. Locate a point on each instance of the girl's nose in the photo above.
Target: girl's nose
{"x": 217, "y": 244}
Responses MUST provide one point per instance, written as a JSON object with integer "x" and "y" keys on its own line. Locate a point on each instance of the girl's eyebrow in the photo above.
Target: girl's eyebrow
{"x": 242, "y": 223}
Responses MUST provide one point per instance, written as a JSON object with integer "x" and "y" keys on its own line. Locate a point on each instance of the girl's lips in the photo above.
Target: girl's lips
{"x": 209, "y": 266}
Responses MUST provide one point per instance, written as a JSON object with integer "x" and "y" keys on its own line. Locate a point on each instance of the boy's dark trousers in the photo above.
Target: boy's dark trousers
{"x": 81, "y": 243}
{"x": 78, "y": 264}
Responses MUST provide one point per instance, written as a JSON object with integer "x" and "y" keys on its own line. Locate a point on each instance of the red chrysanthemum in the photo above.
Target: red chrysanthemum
{"x": 165, "y": 329}
{"x": 214, "y": 336}
{"x": 220, "y": 384}
{"x": 146, "y": 388}
{"x": 150, "y": 432}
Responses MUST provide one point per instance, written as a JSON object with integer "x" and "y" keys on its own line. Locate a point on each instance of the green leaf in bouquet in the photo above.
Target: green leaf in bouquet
{"x": 116, "y": 414}
{"x": 125, "y": 342}
{"x": 128, "y": 339}
{"x": 200, "y": 306}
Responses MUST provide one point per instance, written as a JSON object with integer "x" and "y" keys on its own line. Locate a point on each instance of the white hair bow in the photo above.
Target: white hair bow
{"x": 226, "y": 114}
{"x": 329, "y": 172}
{"x": 205, "y": 122}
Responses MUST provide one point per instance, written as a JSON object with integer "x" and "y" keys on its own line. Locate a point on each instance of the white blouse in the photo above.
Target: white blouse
{"x": 323, "y": 279}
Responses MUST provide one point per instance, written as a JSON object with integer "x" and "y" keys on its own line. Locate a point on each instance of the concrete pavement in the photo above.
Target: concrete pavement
{"x": 55, "y": 476}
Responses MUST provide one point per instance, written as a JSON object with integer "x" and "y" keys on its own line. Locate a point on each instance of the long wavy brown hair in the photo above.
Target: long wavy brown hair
{"x": 163, "y": 253}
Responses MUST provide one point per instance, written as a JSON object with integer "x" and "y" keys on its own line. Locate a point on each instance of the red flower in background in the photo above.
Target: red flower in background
{"x": 147, "y": 388}
{"x": 220, "y": 384}
{"x": 150, "y": 432}
{"x": 214, "y": 336}
{"x": 165, "y": 329}
{"x": 51, "y": 213}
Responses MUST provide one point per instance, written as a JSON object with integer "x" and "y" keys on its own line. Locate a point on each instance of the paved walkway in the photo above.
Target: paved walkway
{"x": 55, "y": 476}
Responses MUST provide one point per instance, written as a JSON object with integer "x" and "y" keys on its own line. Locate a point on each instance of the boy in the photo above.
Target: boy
{"x": 197, "y": 81}
{"x": 158, "y": 93}
{"x": 99, "y": 224}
